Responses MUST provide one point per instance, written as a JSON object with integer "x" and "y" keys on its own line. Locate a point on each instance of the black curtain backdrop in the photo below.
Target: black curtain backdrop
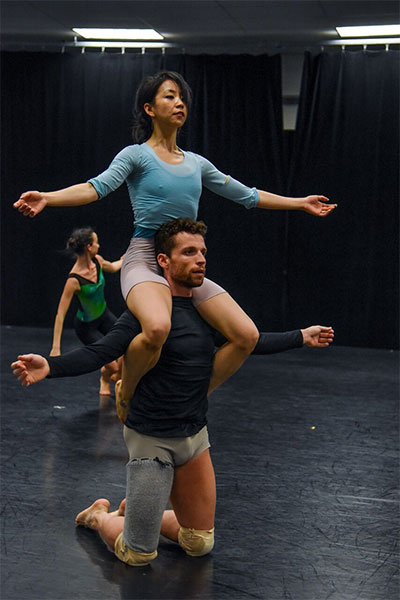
{"x": 346, "y": 146}
{"x": 65, "y": 117}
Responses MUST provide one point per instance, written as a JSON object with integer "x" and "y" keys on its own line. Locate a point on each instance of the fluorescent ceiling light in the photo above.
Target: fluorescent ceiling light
{"x": 363, "y": 42}
{"x": 117, "y": 34}
{"x": 368, "y": 30}
{"x": 121, "y": 44}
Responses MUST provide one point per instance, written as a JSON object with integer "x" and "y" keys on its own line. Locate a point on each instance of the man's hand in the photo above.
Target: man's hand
{"x": 30, "y": 368}
{"x": 317, "y": 336}
{"x": 30, "y": 203}
{"x": 317, "y": 206}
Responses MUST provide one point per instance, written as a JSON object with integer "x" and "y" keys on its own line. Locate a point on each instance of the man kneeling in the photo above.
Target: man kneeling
{"x": 166, "y": 423}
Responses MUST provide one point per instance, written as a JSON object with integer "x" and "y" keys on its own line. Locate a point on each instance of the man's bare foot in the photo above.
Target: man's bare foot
{"x": 121, "y": 405}
{"x": 120, "y": 512}
{"x": 87, "y": 517}
{"x": 105, "y": 389}
{"x": 121, "y": 509}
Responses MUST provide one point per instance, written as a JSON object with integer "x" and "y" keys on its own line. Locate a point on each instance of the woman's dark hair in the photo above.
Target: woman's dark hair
{"x": 79, "y": 239}
{"x": 148, "y": 88}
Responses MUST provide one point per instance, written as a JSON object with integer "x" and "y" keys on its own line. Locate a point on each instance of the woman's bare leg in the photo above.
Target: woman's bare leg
{"x": 226, "y": 316}
{"x": 151, "y": 303}
{"x": 193, "y": 497}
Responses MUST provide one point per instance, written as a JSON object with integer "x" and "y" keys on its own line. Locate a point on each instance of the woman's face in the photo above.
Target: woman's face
{"x": 168, "y": 106}
{"x": 93, "y": 248}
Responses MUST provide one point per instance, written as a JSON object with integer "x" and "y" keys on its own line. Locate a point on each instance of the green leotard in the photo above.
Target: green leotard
{"x": 90, "y": 296}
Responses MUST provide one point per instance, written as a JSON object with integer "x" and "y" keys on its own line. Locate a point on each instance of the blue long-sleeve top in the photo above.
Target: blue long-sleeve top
{"x": 160, "y": 192}
{"x": 171, "y": 399}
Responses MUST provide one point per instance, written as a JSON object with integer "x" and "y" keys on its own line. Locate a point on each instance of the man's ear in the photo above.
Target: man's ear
{"x": 148, "y": 109}
{"x": 163, "y": 260}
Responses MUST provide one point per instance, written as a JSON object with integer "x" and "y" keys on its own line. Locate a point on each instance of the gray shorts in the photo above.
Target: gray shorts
{"x": 176, "y": 451}
{"x": 140, "y": 265}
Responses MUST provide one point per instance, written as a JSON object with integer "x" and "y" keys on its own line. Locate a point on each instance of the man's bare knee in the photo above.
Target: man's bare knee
{"x": 196, "y": 542}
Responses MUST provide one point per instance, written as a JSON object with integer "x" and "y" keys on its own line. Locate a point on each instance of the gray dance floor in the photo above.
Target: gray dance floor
{"x": 305, "y": 449}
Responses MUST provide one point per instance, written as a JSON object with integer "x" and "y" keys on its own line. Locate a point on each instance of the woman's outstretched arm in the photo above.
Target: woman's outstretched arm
{"x": 314, "y": 205}
{"x": 228, "y": 187}
{"x": 32, "y": 203}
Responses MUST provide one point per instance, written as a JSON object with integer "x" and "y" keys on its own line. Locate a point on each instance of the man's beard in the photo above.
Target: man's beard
{"x": 190, "y": 283}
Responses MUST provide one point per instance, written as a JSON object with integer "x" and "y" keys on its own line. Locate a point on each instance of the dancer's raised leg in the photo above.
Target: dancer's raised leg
{"x": 151, "y": 303}
{"x": 226, "y": 316}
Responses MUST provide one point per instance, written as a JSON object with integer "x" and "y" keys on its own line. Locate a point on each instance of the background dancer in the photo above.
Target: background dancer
{"x": 86, "y": 281}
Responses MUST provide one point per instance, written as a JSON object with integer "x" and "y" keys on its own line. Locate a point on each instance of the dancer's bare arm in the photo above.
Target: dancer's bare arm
{"x": 32, "y": 203}
{"x": 30, "y": 368}
{"x": 110, "y": 266}
{"x": 314, "y": 205}
{"x": 70, "y": 288}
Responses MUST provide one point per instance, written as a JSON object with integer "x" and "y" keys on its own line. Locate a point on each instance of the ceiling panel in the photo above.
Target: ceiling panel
{"x": 203, "y": 25}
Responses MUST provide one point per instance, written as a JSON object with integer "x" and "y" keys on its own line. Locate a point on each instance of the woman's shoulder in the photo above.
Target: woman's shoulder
{"x": 98, "y": 260}
{"x": 133, "y": 151}
{"x": 73, "y": 282}
{"x": 196, "y": 157}
{"x": 205, "y": 165}
{"x": 130, "y": 156}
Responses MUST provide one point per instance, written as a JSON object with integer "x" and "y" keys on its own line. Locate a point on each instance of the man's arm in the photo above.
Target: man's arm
{"x": 316, "y": 336}
{"x": 31, "y": 368}
{"x": 272, "y": 343}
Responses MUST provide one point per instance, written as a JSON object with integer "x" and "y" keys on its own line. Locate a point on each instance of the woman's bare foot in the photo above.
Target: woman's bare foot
{"x": 121, "y": 405}
{"x": 87, "y": 517}
{"x": 105, "y": 389}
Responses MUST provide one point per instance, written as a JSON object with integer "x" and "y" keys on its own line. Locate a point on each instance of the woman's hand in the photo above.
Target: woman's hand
{"x": 30, "y": 368}
{"x": 317, "y": 206}
{"x": 55, "y": 352}
{"x": 31, "y": 203}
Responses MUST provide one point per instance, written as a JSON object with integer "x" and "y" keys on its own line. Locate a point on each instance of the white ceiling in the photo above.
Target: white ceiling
{"x": 214, "y": 26}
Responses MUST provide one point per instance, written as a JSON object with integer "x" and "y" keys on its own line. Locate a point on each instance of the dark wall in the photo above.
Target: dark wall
{"x": 347, "y": 147}
{"x": 64, "y": 119}
{"x": 66, "y": 116}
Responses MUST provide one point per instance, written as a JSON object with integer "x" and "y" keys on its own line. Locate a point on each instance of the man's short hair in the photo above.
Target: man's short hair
{"x": 164, "y": 238}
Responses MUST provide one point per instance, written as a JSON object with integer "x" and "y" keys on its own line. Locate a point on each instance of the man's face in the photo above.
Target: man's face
{"x": 187, "y": 264}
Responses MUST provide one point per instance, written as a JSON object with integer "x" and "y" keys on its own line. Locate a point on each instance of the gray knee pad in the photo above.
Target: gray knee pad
{"x": 148, "y": 487}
